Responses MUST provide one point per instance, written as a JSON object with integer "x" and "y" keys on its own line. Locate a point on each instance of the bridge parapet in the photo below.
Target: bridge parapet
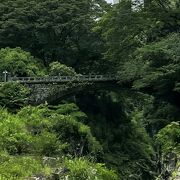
{"x": 52, "y": 88}
{"x": 63, "y": 79}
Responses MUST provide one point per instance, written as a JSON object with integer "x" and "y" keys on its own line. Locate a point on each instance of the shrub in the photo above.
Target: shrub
{"x": 13, "y": 95}
{"x": 81, "y": 168}
{"x": 57, "y": 69}
{"x": 19, "y": 63}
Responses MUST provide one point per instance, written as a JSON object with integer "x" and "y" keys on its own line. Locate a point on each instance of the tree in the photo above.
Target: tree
{"x": 160, "y": 64}
{"x": 124, "y": 29}
{"x": 76, "y": 138}
{"x": 52, "y": 29}
{"x": 169, "y": 138}
{"x": 19, "y": 63}
{"x": 57, "y": 69}
{"x": 167, "y": 143}
{"x": 143, "y": 48}
{"x": 35, "y": 132}
{"x": 119, "y": 127}
{"x": 13, "y": 95}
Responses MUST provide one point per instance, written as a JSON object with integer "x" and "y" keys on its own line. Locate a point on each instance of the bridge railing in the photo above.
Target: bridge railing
{"x": 64, "y": 78}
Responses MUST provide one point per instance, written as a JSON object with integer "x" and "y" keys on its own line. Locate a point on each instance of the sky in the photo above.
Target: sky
{"x": 109, "y": 1}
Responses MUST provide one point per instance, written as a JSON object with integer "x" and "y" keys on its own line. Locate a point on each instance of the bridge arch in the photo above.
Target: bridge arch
{"x": 59, "y": 95}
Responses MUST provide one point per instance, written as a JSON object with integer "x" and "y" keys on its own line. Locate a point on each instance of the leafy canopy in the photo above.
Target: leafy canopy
{"x": 13, "y": 95}
{"x": 39, "y": 131}
{"x": 57, "y": 69}
{"x": 19, "y": 63}
{"x": 52, "y": 29}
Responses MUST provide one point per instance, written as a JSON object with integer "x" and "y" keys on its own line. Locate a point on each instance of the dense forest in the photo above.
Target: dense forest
{"x": 127, "y": 132}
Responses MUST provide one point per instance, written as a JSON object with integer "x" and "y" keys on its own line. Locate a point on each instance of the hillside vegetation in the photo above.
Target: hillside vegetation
{"x": 131, "y": 133}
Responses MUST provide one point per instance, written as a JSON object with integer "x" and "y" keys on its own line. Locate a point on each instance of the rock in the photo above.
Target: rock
{"x": 37, "y": 177}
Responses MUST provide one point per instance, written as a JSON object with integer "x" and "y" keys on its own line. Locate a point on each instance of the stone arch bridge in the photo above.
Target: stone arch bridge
{"x": 52, "y": 89}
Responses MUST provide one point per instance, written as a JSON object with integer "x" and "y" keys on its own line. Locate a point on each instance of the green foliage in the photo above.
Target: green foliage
{"x": 145, "y": 53}
{"x": 121, "y": 29}
{"x": 70, "y": 109}
{"x": 141, "y": 46}
{"x": 164, "y": 18}
{"x": 52, "y": 29}
{"x": 158, "y": 114}
{"x": 18, "y": 167}
{"x": 47, "y": 144}
{"x": 126, "y": 144}
{"x": 124, "y": 29}
{"x": 162, "y": 69}
{"x": 21, "y": 167}
{"x": 19, "y": 63}
{"x": 75, "y": 137}
{"x": 83, "y": 169}
{"x": 78, "y": 136}
{"x": 38, "y": 131}
{"x": 14, "y": 137}
{"x": 168, "y": 138}
{"x": 19, "y": 136}
{"x": 57, "y": 69}
{"x": 13, "y": 95}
